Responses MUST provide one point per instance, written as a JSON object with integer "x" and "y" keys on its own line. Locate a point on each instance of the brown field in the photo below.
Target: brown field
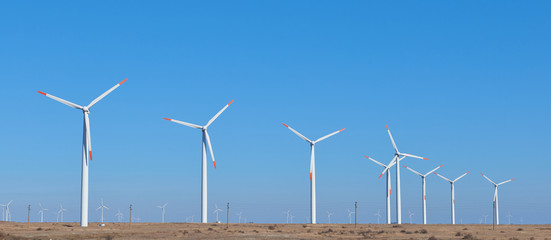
{"x": 269, "y": 231}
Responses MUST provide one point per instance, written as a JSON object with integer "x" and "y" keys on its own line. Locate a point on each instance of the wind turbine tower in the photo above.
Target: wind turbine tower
{"x": 205, "y": 141}
{"x": 312, "y": 169}
{"x": 388, "y": 183}
{"x": 162, "y": 212}
{"x": 86, "y": 148}
{"x": 453, "y": 192}
{"x": 41, "y": 212}
{"x": 102, "y": 206}
{"x": 424, "y": 194}
{"x": 496, "y": 199}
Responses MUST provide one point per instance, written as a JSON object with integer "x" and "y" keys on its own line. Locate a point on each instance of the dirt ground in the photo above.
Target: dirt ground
{"x": 268, "y": 231}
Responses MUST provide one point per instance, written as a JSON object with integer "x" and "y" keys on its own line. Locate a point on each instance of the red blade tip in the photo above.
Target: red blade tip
{"x": 230, "y": 102}
{"x": 386, "y": 127}
{"x": 481, "y": 174}
{"x": 123, "y": 81}
{"x": 341, "y": 130}
{"x": 468, "y": 172}
{"x": 310, "y": 176}
{"x": 381, "y": 175}
{"x": 366, "y": 156}
{"x": 426, "y": 158}
{"x": 441, "y": 165}
{"x": 285, "y": 125}
{"x": 405, "y": 166}
{"x": 512, "y": 179}
{"x": 90, "y": 155}
{"x": 167, "y": 119}
{"x": 436, "y": 173}
{"x": 43, "y": 93}
{"x": 214, "y": 164}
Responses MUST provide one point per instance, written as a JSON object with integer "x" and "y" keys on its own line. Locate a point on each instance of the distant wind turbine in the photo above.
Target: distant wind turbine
{"x": 60, "y": 212}
{"x": 312, "y": 168}
{"x": 162, "y": 212}
{"x": 119, "y": 215}
{"x": 206, "y": 140}
{"x": 288, "y": 213}
{"x": 509, "y": 216}
{"x": 102, "y": 206}
{"x": 217, "y": 211}
{"x": 329, "y": 216}
{"x": 410, "y": 215}
{"x": 496, "y": 202}
{"x": 378, "y": 214}
{"x": 424, "y": 196}
{"x": 41, "y": 212}
{"x": 239, "y": 214}
{"x": 350, "y": 216}
{"x": 453, "y": 192}
{"x": 6, "y": 211}
{"x": 86, "y": 148}
{"x": 398, "y": 156}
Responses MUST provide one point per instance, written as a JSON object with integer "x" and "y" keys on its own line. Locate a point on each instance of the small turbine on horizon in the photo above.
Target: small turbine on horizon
{"x": 102, "y": 206}
{"x": 119, "y": 215}
{"x": 424, "y": 194}
{"x": 217, "y": 211}
{"x": 41, "y": 212}
{"x": 162, "y": 212}
{"x": 496, "y": 205}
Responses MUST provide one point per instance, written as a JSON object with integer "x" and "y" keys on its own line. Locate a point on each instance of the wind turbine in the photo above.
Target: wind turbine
{"x": 378, "y": 214}
{"x": 288, "y": 213}
{"x": 61, "y": 210}
{"x": 509, "y": 216}
{"x": 410, "y": 215}
{"x": 329, "y": 216}
{"x": 86, "y": 149}
{"x": 206, "y": 140}
{"x": 162, "y": 212}
{"x": 239, "y": 214}
{"x": 312, "y": 168}
{"x": 102, "y": 206}
{"x": 8, "y": 213}
{"x": 216, "y": 211}
{"x": 291, "y": 216}
{"x": 350, "y": 216}
{"x": 398, "y": 156}
{"x": 496, "y": 205}
{"x": 119, "y": 215}
{"x": 424, "y": 196}
{"x": 453, "y": 192}
{"x": 388, "y": 184}
{"x": 41, "y": 212}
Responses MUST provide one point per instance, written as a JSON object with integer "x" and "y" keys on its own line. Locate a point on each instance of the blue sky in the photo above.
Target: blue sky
{"x": 462, "y": 83}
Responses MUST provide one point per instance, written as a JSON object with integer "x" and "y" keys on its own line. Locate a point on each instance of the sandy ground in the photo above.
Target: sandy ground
{"x": 268, "y": 231}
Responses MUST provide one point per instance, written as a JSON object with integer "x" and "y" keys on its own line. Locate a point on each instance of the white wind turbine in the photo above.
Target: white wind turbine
{"x": 453, "y": 192}
{"x": 119, "y": 215}
{"x": 388, "y": 183}
{"x": 216, "y": 211}
{"x": 60, "y": 212}
{"x": 424, "y": 196}
{"x": 206, "y": 140}
{"x": 378, "y": 214}
{"x": 312, "y": 169}
{"x": 350, "y": 216}
{"x": 8, "y": 213}
{"x": 239, "y": 214}
{"x": 496, "y": 205}
{"x": 86, "y": 149}
{"x": 288, "y": 213}
{"x": 398, "y": 156}
{"x": 102, "y": 206}
{"x": 329, "y": 216}
{"x": 41, "y": 212}
{"x": 410, "y": 217}
{"x": 162, "y": 212}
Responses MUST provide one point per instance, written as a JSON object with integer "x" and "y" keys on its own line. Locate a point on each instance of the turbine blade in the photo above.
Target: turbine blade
{"x": 389, "y": 166}
{"x": 105, "y": 93}
{"x": 444, "y": 177}
{"x": 375, "y": 161}
{"x": 298, "y": 134}
{"x": 70, "y": 104}
{"x": 218, "y": 114}
{"x": 391, "y": 139}
{"x": 462, "y": 176}
{"x": 505, "y": 181}
{"x": 434, "y": 170}
{"x": 210, "y": 148}
{"x": 413, "y": 156}
{"x": 413, "y": 171}
{"x": 488, "y": 179}
{"x": 184, "y": 123}
{"x": 328, "y": 135}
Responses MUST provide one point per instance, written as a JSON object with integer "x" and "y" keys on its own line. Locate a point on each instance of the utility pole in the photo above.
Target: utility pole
{"x": 355, "y": 213}
{"x": 494, "y": 217}
{"x": 130, "y": 215}
{"x": 228, "y": 215}
{"x": 29, "y": 216}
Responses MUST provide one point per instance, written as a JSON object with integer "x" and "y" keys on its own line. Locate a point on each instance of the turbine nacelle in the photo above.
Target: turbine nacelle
{"x": 86, "y": 109}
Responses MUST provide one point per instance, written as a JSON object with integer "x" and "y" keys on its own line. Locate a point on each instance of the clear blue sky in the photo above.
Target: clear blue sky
{"x": 465, "y": 84}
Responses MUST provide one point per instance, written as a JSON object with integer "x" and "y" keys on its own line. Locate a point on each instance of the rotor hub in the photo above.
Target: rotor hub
{"x": 85, "y": 109}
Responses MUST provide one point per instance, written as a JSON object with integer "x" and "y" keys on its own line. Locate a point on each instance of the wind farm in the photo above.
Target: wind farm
{"x": 275, "y": 120}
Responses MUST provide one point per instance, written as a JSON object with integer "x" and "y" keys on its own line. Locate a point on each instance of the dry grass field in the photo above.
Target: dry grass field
{"x": 269, "y": 231}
